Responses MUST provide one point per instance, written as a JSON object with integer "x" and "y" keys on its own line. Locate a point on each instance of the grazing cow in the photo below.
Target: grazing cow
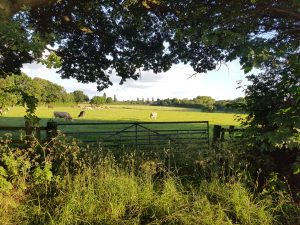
{"x": 64, "y": 115}
{"x": 50, "y": 106}
{"x": 88, "y": 108}
{"x": 153, "y": 115}
{"x": 81, "y": 114}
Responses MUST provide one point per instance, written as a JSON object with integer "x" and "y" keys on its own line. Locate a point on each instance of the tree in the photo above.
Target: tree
{"x": 109, "y": 100}
{"x": 51, "y": 92}
{"x": 273, "y": 124}
{"x": 222, "y": 105}
{"x": 22, "y": 82}
{"x": 22, "y": 90}
{"x": 92, "y": 38}
{"x": 67, "y": 97}
{"x": 236, "y": 105}
{"x": 115, "y": 98}
{"x": 82, "y": 49}
{"x": 272, "y": 101}
{"x": 79, "y": 96}
{"x": 7, "y": 97}
{"x": 97, "y": 100}
{"x": 205, "y": 102}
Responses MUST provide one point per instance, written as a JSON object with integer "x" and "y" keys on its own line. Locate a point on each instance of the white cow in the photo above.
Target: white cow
{"x": 88, "y": 107}
{"x": 64, "y": 115}
{"x": 153, "y": 115}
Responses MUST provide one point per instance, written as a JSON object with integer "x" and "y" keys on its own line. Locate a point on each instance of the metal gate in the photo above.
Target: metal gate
{"x": 140, "y": 135}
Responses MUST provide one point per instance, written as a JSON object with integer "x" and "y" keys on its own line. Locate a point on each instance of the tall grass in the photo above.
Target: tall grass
{"x": 130, "y": 190}
{"x": 112, "y": 194}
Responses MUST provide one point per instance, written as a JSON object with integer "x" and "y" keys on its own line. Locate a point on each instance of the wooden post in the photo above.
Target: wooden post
{"x": 28, "y": 128}
{"x": 231, "y": 130}
{"x": 51, "y": 130}
{"x": 136, "y": 135}
{"x": 223, "y": 134}
{"x": 216, "y": 133}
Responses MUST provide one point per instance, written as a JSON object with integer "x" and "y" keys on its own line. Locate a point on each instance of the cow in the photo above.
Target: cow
{"x": 63, "y": 115}
{"x": 153, "y": 115}
{"x": 88, "y": 108}
{"x": 81, "y": 114}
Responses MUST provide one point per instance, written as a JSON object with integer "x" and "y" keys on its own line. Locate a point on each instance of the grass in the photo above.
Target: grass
{"x": 126, "y": 113}
{"x": 110, "y": 193}
{"x": 119, "y": 113}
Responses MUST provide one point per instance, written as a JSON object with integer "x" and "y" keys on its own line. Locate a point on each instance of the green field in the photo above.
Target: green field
{"x": 150, "y": 134}
{"x": 122, "y": 113}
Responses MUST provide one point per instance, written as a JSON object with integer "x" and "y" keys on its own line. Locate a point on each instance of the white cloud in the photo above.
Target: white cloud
{"x": 219, "y": 84}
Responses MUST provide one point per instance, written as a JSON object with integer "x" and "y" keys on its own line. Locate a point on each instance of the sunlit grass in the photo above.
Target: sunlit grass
{"x": 118, "y": 113}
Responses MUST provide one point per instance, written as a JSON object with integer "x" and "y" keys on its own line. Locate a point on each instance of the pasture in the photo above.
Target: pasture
{"x": 122, "y": 113}
{"x": 134, "y": 129}
{"x": 151, "y": 136}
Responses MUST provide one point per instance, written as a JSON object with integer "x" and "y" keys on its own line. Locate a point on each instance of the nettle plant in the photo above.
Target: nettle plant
{"x": 34, "y": 164}
{"x": 20, "y": 167}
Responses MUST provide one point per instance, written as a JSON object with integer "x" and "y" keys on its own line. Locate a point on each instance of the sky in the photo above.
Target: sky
{"x": 176, "y": 83}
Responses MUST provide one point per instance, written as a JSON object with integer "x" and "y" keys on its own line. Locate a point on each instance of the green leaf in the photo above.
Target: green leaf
{"x": 3, "y": 172}
{"x": 247, "y": 69}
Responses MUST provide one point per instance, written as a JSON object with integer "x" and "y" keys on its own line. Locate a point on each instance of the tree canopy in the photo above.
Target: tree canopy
{"x": 98, "y": 100}
{"x": 79, "y": 96}
{"x": 92, "y": 39}
{"x": 13, "y": 87}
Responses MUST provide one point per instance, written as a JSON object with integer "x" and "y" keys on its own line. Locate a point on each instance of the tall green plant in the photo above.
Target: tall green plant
{"x": 273, "y": 123}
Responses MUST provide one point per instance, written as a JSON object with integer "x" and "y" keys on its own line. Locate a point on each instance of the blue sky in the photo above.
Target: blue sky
{"x": 219, "y": 84}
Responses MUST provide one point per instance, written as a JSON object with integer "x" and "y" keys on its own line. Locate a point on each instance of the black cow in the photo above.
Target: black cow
{"x": 81, "y": 114}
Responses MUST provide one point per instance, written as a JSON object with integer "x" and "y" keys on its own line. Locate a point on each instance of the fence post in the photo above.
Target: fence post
{"x": 51, "y": 130}
{"x": 223, "y": 130}
{"x": 28, "y": 128}
{"x": 216, "y": 133}
{"x": 231, "y": 130}
{"x": 136, "y": 135}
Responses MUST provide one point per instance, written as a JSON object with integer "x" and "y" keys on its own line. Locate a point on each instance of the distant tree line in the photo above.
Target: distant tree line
{"x": 205, "y": 103}
{"x": 48, "y": 93}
